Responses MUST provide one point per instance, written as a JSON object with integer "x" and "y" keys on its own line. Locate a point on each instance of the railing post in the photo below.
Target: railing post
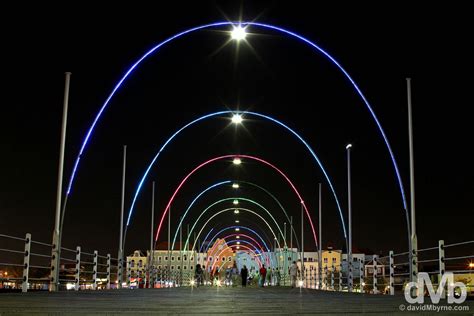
{"x": 361, "y": 275}
{"x": 77, "y": 282}
{"x": 94, "y": 270}
{"x": 129, "y": 273}
{"x": 26, "y": 263}
{"x": 374, "y": 284}
{"x": 392, "y": 273}
{"x": 340, "y": 277}
{"x": 109, "y": 262}
{"x": 441, "y": 263}
{"x": 332, "y": 276}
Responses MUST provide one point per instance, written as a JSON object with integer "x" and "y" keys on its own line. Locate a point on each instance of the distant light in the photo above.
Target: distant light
{"x": 238, "y": 237}
{"x": 236, "y": 211}
{"x": 237, "y": 119}
{"x": 235, "y": 185}
{"x": 363, "y": 283}
{"x": 237, "y": 221}
{"x": 236, "y": 202}
{"x": 238, "y": 247}
{"x": 348, "y": 146}
{"x": 300, "y": 283}
{"x": 192, "y": 282}
{"x": 218, "y": 283}
{"x": 471, "y": 264}
{"x": 238, "y": 33}
{"x": 237, "y": 229}
{"x": 236, "y": 161}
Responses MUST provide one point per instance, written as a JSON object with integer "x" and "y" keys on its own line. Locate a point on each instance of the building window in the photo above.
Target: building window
{"x": 229, "y": 259}
{"x": 192, "y": 258}
{"x": 140, "y": 263}
{"x": 191, "y": 267}
{"x": 184, "y": 267}
{"x": 179, "y": 258}
{"x": 172, "y": 267}
{"x": 178, "y": 267}
{"x": 172, "y": 258}
{"x": 325, "y": 260}
{"x": 166, "y": 258}
{"x": 184, "y": 257}
{"x": 159, "y": 258}
{"x": 159, "y": 267}
{"x": 333, "y": 260}
{"x": 132, "y": 263}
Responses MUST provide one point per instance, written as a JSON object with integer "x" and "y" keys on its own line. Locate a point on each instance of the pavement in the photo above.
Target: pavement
{"x": 210, "y": 301}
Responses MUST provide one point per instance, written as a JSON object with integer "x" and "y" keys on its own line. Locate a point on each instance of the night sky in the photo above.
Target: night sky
{"x": 273, "y": 74}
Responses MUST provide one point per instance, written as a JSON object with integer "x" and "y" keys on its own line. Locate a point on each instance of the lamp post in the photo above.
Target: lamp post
{"x": 56, "y": 249}
{"x": 349, "y": 207}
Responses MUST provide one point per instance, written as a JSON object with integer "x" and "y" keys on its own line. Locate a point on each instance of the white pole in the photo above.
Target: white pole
{"x": 122, "y": 208}
{"x": 302, "y": 244}
{"x": 152, "y": 251}
{"x": 414, "y": 240}
{"x": 349, "y": 203}
{"x": 320, "y": 254}
{"x": 56, "y": 250}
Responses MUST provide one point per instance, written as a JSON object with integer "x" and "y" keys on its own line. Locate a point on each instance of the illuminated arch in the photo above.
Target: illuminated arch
{"x": 234, "y": 246}
{"x": 233, "y": 227}
{"x": 223, "y": 183}
{"x": 235, "y": 156}
{"x": 226, "y": 210}
{"x": 265, "y": 26}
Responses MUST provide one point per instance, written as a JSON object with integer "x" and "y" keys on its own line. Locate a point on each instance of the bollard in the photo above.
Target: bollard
{"x": 94, "y": 270}
{"x": 109, "y": 262}
{"x": 78, "y": 269}
{"x": 392, "y": 273}
{"x": 26, "y": 263}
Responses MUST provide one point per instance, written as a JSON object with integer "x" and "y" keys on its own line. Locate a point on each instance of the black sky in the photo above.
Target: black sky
{"x": 378, "y": 45}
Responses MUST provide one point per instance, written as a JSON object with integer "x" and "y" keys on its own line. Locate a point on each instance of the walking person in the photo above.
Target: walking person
{"x": 293, "y": 273}
{"x": 263, "y": 274}
{"x": 198, "y": 275}
{"x": 244, "y": 273}
{"x": 277, "y": 277}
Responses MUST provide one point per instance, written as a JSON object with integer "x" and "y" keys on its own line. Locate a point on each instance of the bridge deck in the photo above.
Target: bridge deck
{"x": 203, "y": 300}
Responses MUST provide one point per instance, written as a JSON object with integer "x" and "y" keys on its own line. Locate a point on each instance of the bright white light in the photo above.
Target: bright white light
{"x": 69, "y": 286}
{"x": 236, "y": 211}
{"x": 300, "y": 283}
{"x": 236, "y": 161}
{"x": 235, "y": 185}
{"x": 237, "y": 221}
{"x": 348, "y": 146}
{"x": 237, "y": 237}
{"x": 237, "y": 229}
{"x": 238, "y": 247}
{"x": 218, "y": 283}
{"x": 238, "y": 33}
{"x": 237, "y": 119}
{"x": 235, "y": 202}
{"x": 192, "y": 282}
{"x": 238, "y": 243}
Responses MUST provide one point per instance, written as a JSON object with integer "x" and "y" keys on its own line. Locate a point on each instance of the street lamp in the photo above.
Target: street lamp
{"x": 236, "y": 211}
{"x": 237, "y": 221}
{"x": 235, "y": 185}
{"x": 238, "y": 33}
{"x": 236, "y": 161}
{"x": 236, "y": 202}
{"x": 349, "y": 208}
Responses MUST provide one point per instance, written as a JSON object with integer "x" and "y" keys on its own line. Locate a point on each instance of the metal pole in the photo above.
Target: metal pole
{"x": 122, "y": 208}
{"x": 26, "y": 263}
{"x": 302, "y": 244}
{"x": 349, "y": 203}
{"x": 320, "y": 250}
{"x": 169, "y": 244}
{"x": 152, "y": 251}
{"x": 291, "y": 237}
{"x": 56, "y": 250}
{"x": 414, "y": 240}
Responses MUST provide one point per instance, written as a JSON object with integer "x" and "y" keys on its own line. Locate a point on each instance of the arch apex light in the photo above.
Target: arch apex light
{"x": 241, "y": 24}
{"x": 238, "y": 33}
